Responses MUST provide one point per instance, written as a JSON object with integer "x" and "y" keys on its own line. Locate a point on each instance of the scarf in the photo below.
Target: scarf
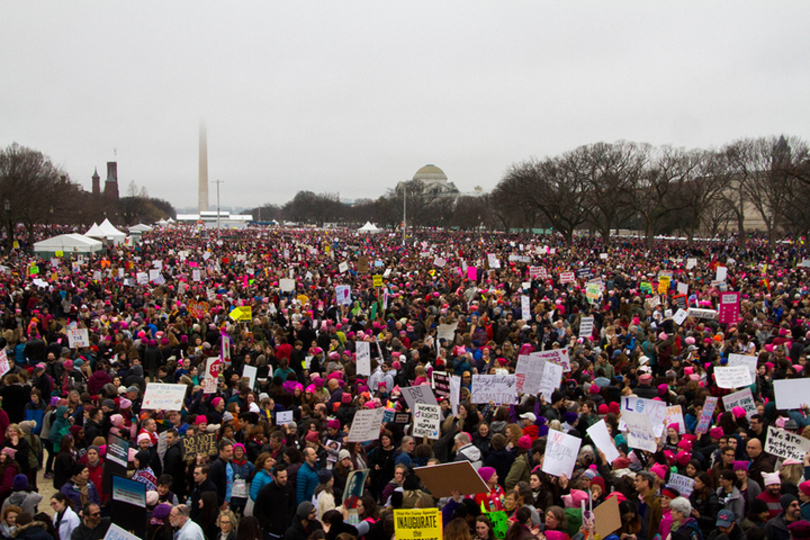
{"x": 81, "y": 486}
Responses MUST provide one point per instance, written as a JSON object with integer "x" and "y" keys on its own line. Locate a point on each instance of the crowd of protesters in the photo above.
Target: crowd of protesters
{"x": 269, "y": 480}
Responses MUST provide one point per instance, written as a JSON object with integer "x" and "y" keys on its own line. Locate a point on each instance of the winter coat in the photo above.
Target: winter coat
{"x": 275, "y": 508}
{"x": 26, "y": 501}
{"x": 36, "y": 530}
{"x": 305, "y": 483}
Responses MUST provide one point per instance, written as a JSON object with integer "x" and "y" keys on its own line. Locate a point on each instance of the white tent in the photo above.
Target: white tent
{"x": 94, "y": 231}
{"x": 68, "y": 243}
{"x": 109, "y": 232}
{"x": 140, "y": 228}
{"x": 369, "y": 228}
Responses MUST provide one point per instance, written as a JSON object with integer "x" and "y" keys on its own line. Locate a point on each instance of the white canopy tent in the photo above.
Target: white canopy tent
{"x": 140, "y": 228}
{"x": 109, "y": 232}
{"x": 68, "y": 243}
{"x": 94, "y": 231}
{"x": 368, "y": 228}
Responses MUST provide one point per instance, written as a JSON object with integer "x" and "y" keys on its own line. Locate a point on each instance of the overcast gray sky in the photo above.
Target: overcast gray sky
{"x": 353, "y": 96}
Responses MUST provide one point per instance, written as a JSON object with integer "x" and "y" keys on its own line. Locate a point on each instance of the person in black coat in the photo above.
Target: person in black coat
{"x": 202, "y": 485}
{"x": 275, "y": 504}
{"x": 173, "y": 463}
{"x": 219, "y": 473}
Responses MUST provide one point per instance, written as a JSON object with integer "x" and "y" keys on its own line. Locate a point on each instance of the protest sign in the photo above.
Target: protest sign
{"x": 744, "y": 360}
{"x": 785, "y": 444}
{"x": 128, "y": 505}
{"x": 791, "y": 393}
{"x": 683, "y": 289}
{"x": 567, "y": 277}
{"x": 5, "y": 366}
{"x": 455, "y": 393}
{"x": 78, "y": 337}
{"x": 166, "y": 397}
{"x": 683, "y": 484}
{"x": 691, "y": 263}
{"x": 117, "y": 450}
{"x": 500, "y": 523}
{"x": 418, "y": 524}
{"x": 366, "y": 425}
{"x": 426, "y": 420}
{"x": 446, "y": 332}
{"x": 640, "y": 432}
{"x": 129, "y": 491}
{"x": 706, "y": 413}
{"x": 249, "y": 376}
{"x": 538, "y": 272}
{"x": 550, "y": 380}
{"x": 607, "y": 518}
{"x": 729, "y": 309}
{"x": 441, "y": 383}
{"x": 117, "y": 533}
{"x": 525, "y": 308}
{"x": 680, "y": 316}
{"x": 203, "y": 445}
{"x": 555, "y": 356}
{"x": 561, "y": 454}
{"x": 528, "y": 374}
{"x": 708, "y": 314}
{"x": 743, "y": 398}
{"x": 656, "y": 410}
{"x": 343, "y": 295}
{"x": 722, "y": 273}
{"x": 355, "y": 483}
{"x": 343, "y": 267}
{"x": 675, "y": 416}
{"x": 459, "y": 476}
{"x": 493, "y": 261}
{"x": 418, "y": 394}
{"x": 593, "y": 291}
{"x": 377, "y": 280}
{"x": 363, "y": 349}
{"x": 284, "y": 417}
{"x": 500, "y": 389}
{"x": 732, "y": 376}
{"x": 286, "y": 284}
{"x": 586, "y": 327}
{"x": 602, "y": 440}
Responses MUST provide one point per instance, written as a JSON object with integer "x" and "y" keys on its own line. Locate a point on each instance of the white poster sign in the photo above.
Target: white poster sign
{"x": 249, "y": 372}
{"x": 791, "y": 393}
{"x": 602, "y": 440}
{"x": 284, "y": 417}
{"x": 555, "y": 356}
{"x": 586, "y": 327}
{"x": 744, "y": 398}
{"x": 366, "y": 425}
{"x": 683, "y": 484}
{"x": 363, "y": 358}
{"x": 656, "y": 410}
{"x": 286, "y": 284}
{"x": 640, "y": 432}
{"x": 675, "y": 416}
{"x": 499, "y": 389}
{"x": 418, "y": 394}
{"x": 117, "y": 533}
{"x": 552, "y": 377}
{"x": 744, "y": 360}
{"x": 78, "y": 337}
{"x": 680, "y": 316}
{"x": 426, "y": 419}
{"x": 561, "y": 454}
{"x": 343, "y": 295}
{"x": 166, "y": 397}
{"x": 732, "y": 377}
{"x": 5, "y": 366}
{"x": 785, "y": 444}
{"x": 529, "y": 374}
{"x": 455, "y": 393}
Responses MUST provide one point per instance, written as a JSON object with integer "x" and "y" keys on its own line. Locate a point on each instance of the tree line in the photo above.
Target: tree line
{"x": 603, "y": 187}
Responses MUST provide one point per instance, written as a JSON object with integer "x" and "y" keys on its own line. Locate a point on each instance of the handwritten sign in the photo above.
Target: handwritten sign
{"x": 203, "y": 445}
{"x": 586, "y": 327}
{"x": 785, "y": 444}
{"x": 550, "y": 381}
{"x": 343, "y": 295}
{"x": 744, "y": 398}
{"x": 732, "y": 376}
{"x": 680, "y": 316}
{"x": 744, "y": 360}
{"x": 426, "y": 419}
{"x": 683, "y": 484}
{"x": 529, "y": 374}
{"x": 525, "y": 308}
{"x": 166, "y": 397}
{"x": 5, "y": 366}
{"x": 555, "y": 356}
{"x": 284, "y": 417}
{"x": 366, "y": 425}
{"x": 363, "y": 349}
{"x": 656, "y": 410}
{"x": 567, "y": 277}
{"x": 500, "y": 389}
{"x": 675, "y": 416}
{"x": 640, "y": 432}
{"x": 78, "y": 337}
{"x": 561, "y": 454}
{"x": 377, "y": 280}
{"x": 538, "y": 272}
{"x": 706, "y": 414}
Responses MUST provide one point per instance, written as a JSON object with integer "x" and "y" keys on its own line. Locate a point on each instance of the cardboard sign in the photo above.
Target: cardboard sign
{"x": 606, "y": 517}
{"x": 785, "y": 444}
{"x": 78, "y": 338}
{"x": 561, "y": 454}
{"x": 204, "y": 444}
{"x": 640, "y": 432}
{"x": 499, "y": 389}
{"x": 601, "y": 439}
{"x": 732, "y": 376}
{"x": 791, "y": 393}
{"x": 418, "y": 524}
{"x": 366, "y": 425}
{"x": 743, "y": 398}
{"x": 426, "y": 419}
{"x": 459, "y": 475}
{"x": 706, "y": 414}
{"x": 166, "y": 397}
{"x": 362, "y": 265}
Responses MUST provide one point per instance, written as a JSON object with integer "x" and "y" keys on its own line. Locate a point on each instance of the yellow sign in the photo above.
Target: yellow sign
{"x": 16, "y": 245}
{"x": 59, "y": 253}
{"x": 244, "y": 313}
{"x": 378, "y": 280}
{"x": 418, "y": 524}
{"x": 663, "y": 284}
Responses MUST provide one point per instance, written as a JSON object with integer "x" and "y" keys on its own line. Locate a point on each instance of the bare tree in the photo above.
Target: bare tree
{"x": 705, "y": 193}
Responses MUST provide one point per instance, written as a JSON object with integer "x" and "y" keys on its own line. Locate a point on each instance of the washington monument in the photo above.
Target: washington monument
{"x": 203, "y": 176}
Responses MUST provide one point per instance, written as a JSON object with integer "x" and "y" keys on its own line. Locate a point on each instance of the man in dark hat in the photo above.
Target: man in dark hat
{"x": 304, "y": 523}
{"x": 777, "y": 528}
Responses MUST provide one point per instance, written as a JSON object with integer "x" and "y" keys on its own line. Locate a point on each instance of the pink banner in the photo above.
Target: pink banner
{"x": 472, "y": 273}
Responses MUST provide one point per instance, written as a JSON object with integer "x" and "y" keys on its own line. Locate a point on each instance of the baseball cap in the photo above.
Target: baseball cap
{"x": 725, "y": 518}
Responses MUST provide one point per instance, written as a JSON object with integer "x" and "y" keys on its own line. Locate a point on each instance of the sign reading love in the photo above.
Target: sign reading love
{"x": 198, "y": 309}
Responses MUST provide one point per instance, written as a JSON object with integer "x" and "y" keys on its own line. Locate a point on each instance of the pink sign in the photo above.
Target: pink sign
{"x": 472, "y": 273}
{"x": 729, "y": 311}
